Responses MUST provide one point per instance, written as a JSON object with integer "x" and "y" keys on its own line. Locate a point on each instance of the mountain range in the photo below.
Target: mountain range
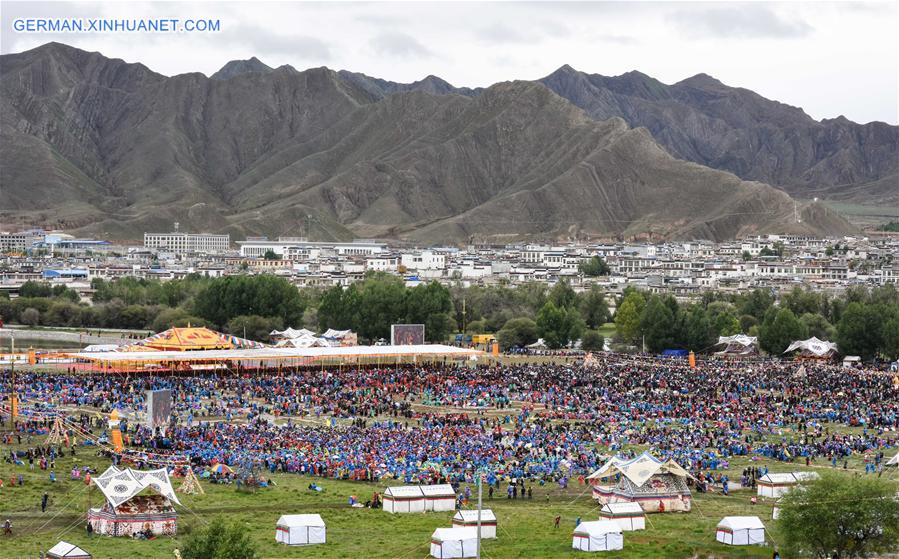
{"x": 104, "y": 147}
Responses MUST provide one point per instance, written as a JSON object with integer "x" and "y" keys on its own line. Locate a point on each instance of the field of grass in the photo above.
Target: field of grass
{"x": 525, "y": 526}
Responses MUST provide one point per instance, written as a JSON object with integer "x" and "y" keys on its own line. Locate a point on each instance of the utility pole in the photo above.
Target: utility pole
{"x": 480, "y": 491}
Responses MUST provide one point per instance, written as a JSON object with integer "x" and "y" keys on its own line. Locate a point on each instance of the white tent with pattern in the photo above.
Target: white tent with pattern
{"x": 300, "y": 529}
{"x": 597, "y": 535}
{"x": 740, "y": 530}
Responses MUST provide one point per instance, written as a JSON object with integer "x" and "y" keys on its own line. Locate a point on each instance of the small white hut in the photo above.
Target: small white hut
{"x": 597, "y": 535}
{"x": 440, "y": 497}
{"x": 629, "y": 516}
{"x": 404, "y": 498}
{"x": 740, "y": 530}
{"x": 300, "y": 529}
{"x": 469, "y": 519}
{"x": 448, "y": 543}
{"x": 775, "y": 486}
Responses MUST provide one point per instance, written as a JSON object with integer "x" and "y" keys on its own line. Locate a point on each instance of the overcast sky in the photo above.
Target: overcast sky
{"x": 830, "y": 58}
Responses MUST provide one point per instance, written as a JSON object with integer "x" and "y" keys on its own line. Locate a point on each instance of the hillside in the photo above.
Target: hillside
{"x": 114, "y": 149}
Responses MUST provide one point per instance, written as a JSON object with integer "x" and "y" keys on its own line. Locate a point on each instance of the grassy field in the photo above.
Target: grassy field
{"x": 525, "y": 526}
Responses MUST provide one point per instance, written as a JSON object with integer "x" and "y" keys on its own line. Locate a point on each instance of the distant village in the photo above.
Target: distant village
{"x": 683, "y": 269}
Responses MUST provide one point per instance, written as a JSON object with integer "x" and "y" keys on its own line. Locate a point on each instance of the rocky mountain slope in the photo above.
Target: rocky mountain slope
{"x": 114, "y": 149}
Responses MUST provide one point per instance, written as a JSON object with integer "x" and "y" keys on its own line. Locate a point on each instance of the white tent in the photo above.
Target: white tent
{"x": 439, "y": 497}
{"x": 813, "y": 347}
{"x": 657, "y": 485}
{"x": 740, "y": 530}
{"x": 469, "y": 519}
{"x": 66, "y": 550}
{"x": 597, "y": 535}
{"x": 447, "y": 543}
{"x": 300, "y": 529}
{"x": 894, "y": 461}
{"x": 119, "y": 486}
{"x": 404, "y": 498}
{"x": 740, "y": 344}
{"x": 777, "y": 485}
{"x": 629, "y": 516}
{"x": 290, "y": 333}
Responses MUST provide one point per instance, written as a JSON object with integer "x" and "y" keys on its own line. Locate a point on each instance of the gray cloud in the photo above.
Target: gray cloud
{"x": 738, "y": 21}
{"x": 400, "y": 45}
{"x": 623, "y": 40}
{"x": 499, "y": 33}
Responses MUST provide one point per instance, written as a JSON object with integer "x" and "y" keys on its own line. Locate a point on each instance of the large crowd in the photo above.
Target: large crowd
{"x": 541, "y": 422}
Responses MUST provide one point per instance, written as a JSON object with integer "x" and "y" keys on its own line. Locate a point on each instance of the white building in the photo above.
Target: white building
{"x": 181, "y": 243}
{"x": 298, "y": 248}
{"x": 423, "y": 260}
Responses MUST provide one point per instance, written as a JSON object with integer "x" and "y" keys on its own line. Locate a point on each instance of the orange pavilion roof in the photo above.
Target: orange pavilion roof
{"x": 187, "y": 339}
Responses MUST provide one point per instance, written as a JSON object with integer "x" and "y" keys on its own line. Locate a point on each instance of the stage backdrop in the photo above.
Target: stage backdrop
{"x": 159, "y": 407}
{"x": 407, "y": 334}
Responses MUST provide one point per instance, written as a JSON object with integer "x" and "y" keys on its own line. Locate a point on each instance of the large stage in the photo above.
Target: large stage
{"x": 265, "y": 358}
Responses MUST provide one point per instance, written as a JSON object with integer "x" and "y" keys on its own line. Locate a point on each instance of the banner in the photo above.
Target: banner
{"x": 407, "y": 334}
{"x": 159, "y": 407}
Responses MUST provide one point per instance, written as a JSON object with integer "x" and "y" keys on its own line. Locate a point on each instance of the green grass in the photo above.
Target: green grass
{"x": 525, "y": 526}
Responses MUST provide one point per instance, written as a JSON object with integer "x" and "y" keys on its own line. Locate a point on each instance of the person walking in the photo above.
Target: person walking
{"x": 44, "y": 500}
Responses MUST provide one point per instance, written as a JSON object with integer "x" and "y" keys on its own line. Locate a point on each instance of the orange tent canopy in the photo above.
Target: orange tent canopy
{"x": 187, "y": 339}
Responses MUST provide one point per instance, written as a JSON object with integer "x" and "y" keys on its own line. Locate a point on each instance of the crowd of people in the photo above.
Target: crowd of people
{"x": 541, "y": 422}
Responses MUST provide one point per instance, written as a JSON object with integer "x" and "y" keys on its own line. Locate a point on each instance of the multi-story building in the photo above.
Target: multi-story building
{"x": 187, "y": 243}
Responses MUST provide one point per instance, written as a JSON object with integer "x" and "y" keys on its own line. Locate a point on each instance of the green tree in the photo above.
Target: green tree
{"x": 779, "y": 329}
{"x": 562, "y": 295}
{"x": 169, "y": 318}
{"x": 271, "y": 255}
{"x": 627, "y": 317}
{"x": 254, "y": 327}
{"x": 594, "y": 267}
{"x": 30, "y": 317}
{"x": 593, "y": 307}
{"x": 219, "y": 540}
{"x": 430, "y": 304}
{"x": 558, "y": 326}
{"x": 592, "y": 340}
{"x": 381, "y": 303}
{"x": 698, "y": 331}
{"x": 891, "y": 338}
{"x": 657, "y": 325}
{"x": 860, "y": 330}
{"x": 841, "y": 517}
{"x": 35, "y": 289}
{"x": 517, "y": 332}
{"x": 817, "y": 326}
{"x": 221, "y": 299}
{"x": 757, "y": 303}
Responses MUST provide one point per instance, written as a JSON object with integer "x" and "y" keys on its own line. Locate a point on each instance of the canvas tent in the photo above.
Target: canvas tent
{"x": 300, "y": 529}
{"x": 628, "y": 516}
{"x": 776, "y": 485}
{"x": 439, "y": 497}
{"x": 737, "y": 345}
{"x": 469, "y": 519}
{"x": 127, "y": 511}
{"x": 404, "y": 498}
{"x": 447, "y": 543}
{"x": 597, "y": 535}
{"x": 66, "y": 550}
{"x": 894, "y": 461}
{"x": 656, "y": 485}
{"x": 740, "y": 530}
{"x": 813, "y": 348}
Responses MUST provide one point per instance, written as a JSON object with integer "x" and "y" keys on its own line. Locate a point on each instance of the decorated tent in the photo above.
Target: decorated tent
{"x": 191, "y": 338}
{"x": 738, "y": 345}
{"x": 66, "y": 550}
{"x": 342, "y": 338}
{"x": 597, "y": 535}
{"x": 740, "y": 530}
{"x": 439, "y": 497}
{"x": 290, "y": 334}
{"x": 776, "y": 485}
{"x": 126, "y": 511}
{"x": 300, "y": 529}
{"x": 447, "y": 543}
{"x": 656, "y": 485}
{"x": 813, "y": 348}
{"x": 469, "y": 519}
{"x": 629, "y": 516}
{"x": 404, "y": 498}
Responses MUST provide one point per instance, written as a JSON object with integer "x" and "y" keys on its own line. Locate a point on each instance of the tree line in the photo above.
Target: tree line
{"x": 862, "y": 321}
